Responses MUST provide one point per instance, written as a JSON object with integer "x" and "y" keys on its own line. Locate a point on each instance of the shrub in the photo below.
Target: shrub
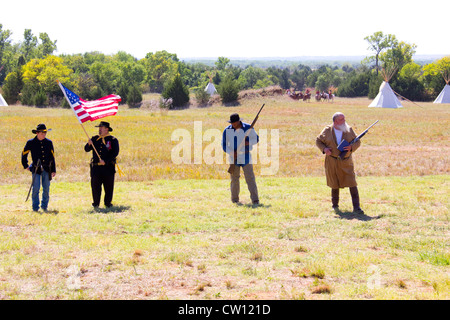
{"x": 356, "y": 85}
{"x": 177, "y": 91}
{"x": 134, "y": 96}
{"x": 201, "y": 96}
{"x": 12, "y": 87}
{"x": 228, "y": 90}
{"x": 374, "y": 86}
{"x": 40, "y": 99}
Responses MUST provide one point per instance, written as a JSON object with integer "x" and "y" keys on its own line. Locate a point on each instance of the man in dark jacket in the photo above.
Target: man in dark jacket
{"x": 103, "y": 163}
{"x": 42, "y": 165}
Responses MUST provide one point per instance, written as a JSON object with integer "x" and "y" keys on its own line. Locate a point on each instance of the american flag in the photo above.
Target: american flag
{"x": 91, "y": 110}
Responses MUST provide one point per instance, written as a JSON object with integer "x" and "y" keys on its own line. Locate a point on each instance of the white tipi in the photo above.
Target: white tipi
{"x": 2, "y": 101}
{"x": 386, "y": 97}
{"x": 210, "y": 88}
{"x": 444, "y": 96}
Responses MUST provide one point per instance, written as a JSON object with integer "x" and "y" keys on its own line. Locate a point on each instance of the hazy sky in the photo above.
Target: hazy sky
{"x": 231, "y": 28}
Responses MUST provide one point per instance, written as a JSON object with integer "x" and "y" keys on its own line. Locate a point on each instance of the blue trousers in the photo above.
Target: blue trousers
{"x": 44, "y": 179}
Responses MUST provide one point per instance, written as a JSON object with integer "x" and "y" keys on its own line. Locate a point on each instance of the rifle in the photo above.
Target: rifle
{"x": 232, "y": 165}
{"x": 34, "y": 177}
{"x": 344, "y": 143}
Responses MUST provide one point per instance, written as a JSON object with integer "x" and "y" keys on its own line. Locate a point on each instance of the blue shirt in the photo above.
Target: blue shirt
{"x": 231, "y": 139}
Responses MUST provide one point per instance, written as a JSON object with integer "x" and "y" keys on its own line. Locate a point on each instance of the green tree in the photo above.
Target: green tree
{"x": 300, "y": 76}
{"x": 107, "y": 75}
{"x": 5, "y": 43}
{"x": 47, "y": 46}
{"x": 229, "y": 89}
{"x": 377, "y": 43}
{"x": 201, "y": 96}
{"x": 29, "y": 45}
{"x": 250, "y": 76}
{"x": 222, "y": 63}
{"x": 177, "y": 91}
{"x": 41, "y": 74}
{"x": 434, "y": 75}
{"x": 13, "y": 86}
{"x": 398, "y": 55}
{"x": 86, "y": 86}
{"x": 134, "y": 96}
{"x": 355, "y": 85}
{"x": 160, "y": 67}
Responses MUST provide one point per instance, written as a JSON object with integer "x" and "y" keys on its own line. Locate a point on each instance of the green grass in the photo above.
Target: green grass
{"x": 174, "y": 233}
{"x": 173, "y": 240}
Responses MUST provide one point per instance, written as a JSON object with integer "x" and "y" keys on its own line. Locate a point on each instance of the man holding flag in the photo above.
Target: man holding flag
{"x": 104, "y": 145}
{"x": 103, "y": 163}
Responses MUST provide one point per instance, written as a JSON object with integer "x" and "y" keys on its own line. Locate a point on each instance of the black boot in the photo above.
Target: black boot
{"x": 355, "y": 200}
{"x": 335, "y": 199}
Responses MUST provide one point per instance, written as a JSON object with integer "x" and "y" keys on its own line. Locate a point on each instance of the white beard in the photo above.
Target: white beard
{"x": 344, "y": 127}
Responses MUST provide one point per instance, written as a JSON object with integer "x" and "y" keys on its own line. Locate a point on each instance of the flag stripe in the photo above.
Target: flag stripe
{"x": 91, "y": 110}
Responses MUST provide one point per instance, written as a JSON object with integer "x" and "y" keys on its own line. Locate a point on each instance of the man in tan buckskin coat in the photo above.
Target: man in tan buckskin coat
{"x": 339, "y": 172}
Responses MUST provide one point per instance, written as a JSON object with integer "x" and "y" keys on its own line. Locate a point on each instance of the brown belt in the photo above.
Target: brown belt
{"x": 339, "y": 158}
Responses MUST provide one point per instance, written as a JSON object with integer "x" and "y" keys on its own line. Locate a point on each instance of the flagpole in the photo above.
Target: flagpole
{"x": 92, "y": 144}
{"x": 87, "y": 135}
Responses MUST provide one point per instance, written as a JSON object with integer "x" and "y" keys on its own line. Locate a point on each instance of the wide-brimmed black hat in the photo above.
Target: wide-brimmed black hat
{"x": 105, "y": 124}
{"x": 40, "y": 128}
{"x": 234, "y": 118}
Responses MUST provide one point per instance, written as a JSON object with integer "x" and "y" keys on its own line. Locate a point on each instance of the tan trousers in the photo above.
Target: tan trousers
{"x": 249, "y": 178}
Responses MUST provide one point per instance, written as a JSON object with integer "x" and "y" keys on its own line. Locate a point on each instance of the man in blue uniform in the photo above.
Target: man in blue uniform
{"x": 42, "y": 165}
{"x": 232, "y": 137}
{"x": 103, "y": 169}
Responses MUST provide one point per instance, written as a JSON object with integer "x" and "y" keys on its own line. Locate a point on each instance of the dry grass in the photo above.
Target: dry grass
{"x": 172, "y": 240}
{"x": 174, "y": 234}
{"x": 408, "y": 141}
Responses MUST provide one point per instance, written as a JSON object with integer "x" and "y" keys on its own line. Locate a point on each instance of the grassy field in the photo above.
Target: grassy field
{"x": 174, "y": 234}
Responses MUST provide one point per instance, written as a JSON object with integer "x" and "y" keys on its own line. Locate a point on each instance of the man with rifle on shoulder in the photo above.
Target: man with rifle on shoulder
{"x": 237, "y": 141}
{"x": 338, "y": 141}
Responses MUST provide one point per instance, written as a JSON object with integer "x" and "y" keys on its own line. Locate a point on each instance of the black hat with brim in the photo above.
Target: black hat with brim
{"x": 105, "y": 124}
{"x": 40, "y": 128}
{"x": 234, "y": 118}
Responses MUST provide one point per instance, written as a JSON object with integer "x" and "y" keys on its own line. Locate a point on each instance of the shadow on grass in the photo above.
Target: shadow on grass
{"x": 54, "y": 212}
{"x": 350, "y": 215}
{"x": 113, "y": 209}
{"x": 259, "y": 205}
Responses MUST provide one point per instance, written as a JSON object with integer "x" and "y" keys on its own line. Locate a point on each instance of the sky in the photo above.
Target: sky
{"x": 231, "y": 28}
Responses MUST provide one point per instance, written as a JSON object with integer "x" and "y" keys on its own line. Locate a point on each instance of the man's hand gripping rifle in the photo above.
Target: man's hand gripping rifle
{"x": 344, "y": 143}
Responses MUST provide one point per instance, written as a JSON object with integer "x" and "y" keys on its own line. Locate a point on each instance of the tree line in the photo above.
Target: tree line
{"x": 29, "y": 70}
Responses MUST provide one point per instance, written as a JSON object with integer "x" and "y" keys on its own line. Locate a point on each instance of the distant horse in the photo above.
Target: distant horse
{"x": 328, "y": 96}
{"x": 294, "y": 95}
{"x": 307, "y": 96}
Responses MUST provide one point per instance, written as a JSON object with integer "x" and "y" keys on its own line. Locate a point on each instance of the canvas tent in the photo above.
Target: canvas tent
{"x": 2, "y": 101}
{"x": 210, "y": 89}
{"x": 444, "y": 96}
{"x": 386, "y": 97}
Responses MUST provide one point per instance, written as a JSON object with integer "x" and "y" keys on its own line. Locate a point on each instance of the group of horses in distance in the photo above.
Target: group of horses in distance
{"x": 319, "y": 96}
